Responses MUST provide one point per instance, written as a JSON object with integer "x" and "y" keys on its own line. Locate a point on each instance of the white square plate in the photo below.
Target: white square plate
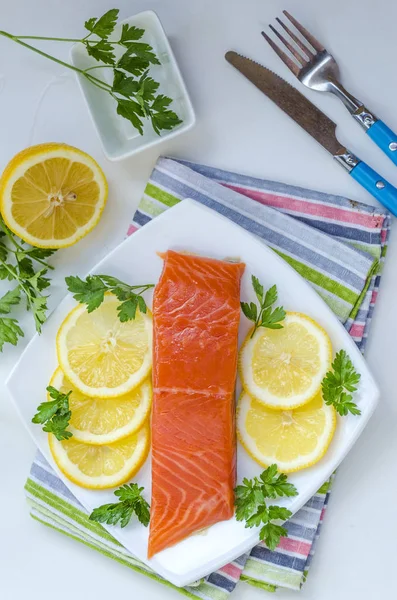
{"x": 192, "y": 227}
{"x": 119, "y": 138}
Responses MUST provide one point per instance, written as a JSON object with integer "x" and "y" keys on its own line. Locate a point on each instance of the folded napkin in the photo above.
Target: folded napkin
{"x": 338, "y": 246}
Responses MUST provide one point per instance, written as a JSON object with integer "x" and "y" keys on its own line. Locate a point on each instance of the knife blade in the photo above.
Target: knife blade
{"x": 292, "y": 102}
{"x": 316, "y": 124}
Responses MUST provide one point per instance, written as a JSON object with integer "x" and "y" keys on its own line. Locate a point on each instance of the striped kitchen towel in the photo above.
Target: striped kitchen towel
{"x": 338, "y": 245}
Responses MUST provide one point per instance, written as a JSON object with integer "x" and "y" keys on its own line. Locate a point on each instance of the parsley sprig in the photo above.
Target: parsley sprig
{"x": 130, "y": 60}
{"x": 339, "y": 384}
{"x": 55, "y": 415}
{"x": 251, "y": 507}
{"x": 91, "y": 292}
{"x": 18, "y": 263}
{"x": 130, "y": 502}
{"x": 265, "y": 315}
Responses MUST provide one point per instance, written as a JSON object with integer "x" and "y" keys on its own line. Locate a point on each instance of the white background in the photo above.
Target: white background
{"x": 240, "y": 130}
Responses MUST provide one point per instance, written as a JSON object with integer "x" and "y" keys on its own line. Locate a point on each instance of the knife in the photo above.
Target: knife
{"x": 317, "y": 124}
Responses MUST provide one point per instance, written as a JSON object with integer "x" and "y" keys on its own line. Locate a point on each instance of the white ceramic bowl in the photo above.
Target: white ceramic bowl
{"x": 119, "y": 138}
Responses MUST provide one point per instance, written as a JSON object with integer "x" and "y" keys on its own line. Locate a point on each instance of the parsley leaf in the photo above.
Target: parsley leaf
{"x": 39, "y": 307}
{"x": 271, "y": 535}
{"x": 247, "y": 498}
{"x": 38, "y": 281}
{"x": 339, "y": 384}
{"x": 261, "y": 516}
{"x": 130, "y": 110}
{"x": 161, "y": 103}
{"x": 24, "y": 265}
{"x": 124, "y": 85}
{"x": 258, "y": 289}
{"x": 103, "y": 26}
{"x": 251, "y": 507}
{"x": 166, "y": 119}
{"x": 270, "y": 297}
{"x": 39, "y": 253}
{"x": 266, "y": 316}
{"x": 130, "y": 33}
{"x": 7, "y": 271}
{"x": 130, "y": 502}
{"x": 55, "y": 415}
{"x": 148, "y": 88}
{"x": 10, "y": 332}
{"x": 58, "y": 426}
{"x": 275, "y": 484}
{"x": 102, "y": 52}
{"x": 9, "y": 299}
{"x": 133, "y": 64}
{"x": 144, "y": 51}
{"x": 132, "y": 493}
{"x": 279, "y": 512}
{"x": 92, "y": 293}
{"x": 3, "y": 249}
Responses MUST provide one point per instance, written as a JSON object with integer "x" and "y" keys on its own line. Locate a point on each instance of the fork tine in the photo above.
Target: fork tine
{"x": 297, "y": 41}
{"x": 286, "y": 60}
{"x": 301, "y": 59}
{"x": 308, "y": 36}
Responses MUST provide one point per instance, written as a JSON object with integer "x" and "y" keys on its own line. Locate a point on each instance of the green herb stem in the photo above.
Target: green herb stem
{"x": 56, "y": 39}
{"x": 43, "y": 38}
{"x": 98, "y": 82}
{"x": 99, "y": 67}
{"x": 34, "y": 49}
{"x": 20, "y": 249}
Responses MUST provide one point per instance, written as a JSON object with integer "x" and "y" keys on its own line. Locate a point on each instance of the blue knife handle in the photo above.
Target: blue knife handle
{"x": 385, "y": 138}
{"x": 383, "y": 191}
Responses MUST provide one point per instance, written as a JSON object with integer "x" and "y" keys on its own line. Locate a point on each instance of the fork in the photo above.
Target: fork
{"x": 317, "y": 69}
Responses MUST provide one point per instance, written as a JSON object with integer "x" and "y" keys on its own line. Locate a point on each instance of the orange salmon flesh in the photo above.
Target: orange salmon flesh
{"x": 196, "y": 313}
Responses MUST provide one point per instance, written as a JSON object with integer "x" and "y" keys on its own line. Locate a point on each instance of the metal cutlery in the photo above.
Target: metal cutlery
{"x": 317, "y": 69}
{"x": 317, "y": 124}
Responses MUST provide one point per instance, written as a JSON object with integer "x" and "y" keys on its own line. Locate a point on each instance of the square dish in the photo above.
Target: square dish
{"x": 118, "y": 137}
{"x": 191, "y": 227}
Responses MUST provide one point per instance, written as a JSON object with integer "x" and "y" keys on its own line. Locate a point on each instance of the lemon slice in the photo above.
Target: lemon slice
{"x": 104, "y": 420}
{"x": 100, "y": 355}
{"x": 51, "y": 195}
{"x": 283, "y": 368}
{"x": 99, "y": 467}
{"x": 293, "y": 439}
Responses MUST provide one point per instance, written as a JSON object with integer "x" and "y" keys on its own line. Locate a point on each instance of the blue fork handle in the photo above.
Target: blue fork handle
{"x": 376, "y": 185}
{"x": 385, "y": 138}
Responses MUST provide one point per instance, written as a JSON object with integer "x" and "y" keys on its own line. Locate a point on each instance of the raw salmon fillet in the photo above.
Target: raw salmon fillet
{"x": 196, "y": 311}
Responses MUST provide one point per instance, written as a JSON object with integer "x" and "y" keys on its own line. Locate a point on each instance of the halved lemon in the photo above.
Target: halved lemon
{"x": 51, "y": 195}
{"x": 101, "y": 356}
{"x": 100, "y": 467}
{"x": 104, "y": 420}
{"x": 284, "y": 368}
{"x": 293, "y": 439}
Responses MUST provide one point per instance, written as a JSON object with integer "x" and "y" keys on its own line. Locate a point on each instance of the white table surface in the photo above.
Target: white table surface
{"x": 239, "y": 130}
